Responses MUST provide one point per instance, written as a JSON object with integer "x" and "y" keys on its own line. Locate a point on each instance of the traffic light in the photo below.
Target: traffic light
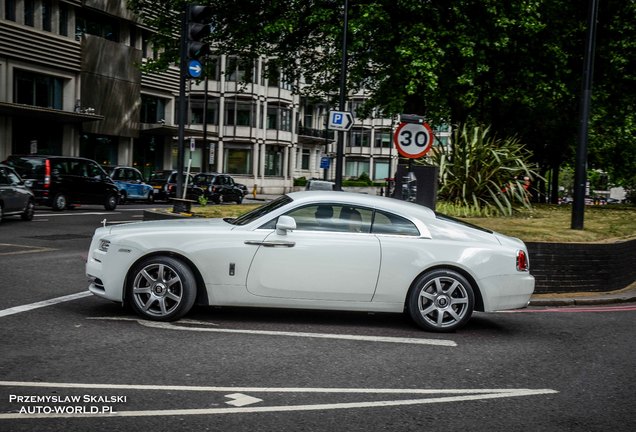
{"x": 198, "y": 28}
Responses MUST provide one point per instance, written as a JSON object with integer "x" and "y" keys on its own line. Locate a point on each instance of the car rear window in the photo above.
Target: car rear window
{"x": 27, "y": 167}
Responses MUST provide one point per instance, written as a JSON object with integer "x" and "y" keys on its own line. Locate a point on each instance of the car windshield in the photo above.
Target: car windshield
{"x": 160, "y": 175}
{"x": 260, "y": 211}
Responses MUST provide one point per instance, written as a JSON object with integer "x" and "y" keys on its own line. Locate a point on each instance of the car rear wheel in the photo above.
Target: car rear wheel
{"x": 161, "y": 288}
{"x": 27, "y": 215}
{"x": 60, "y": 202}
{"x": 441, "y": 301}
{"x": 111, "y": 202}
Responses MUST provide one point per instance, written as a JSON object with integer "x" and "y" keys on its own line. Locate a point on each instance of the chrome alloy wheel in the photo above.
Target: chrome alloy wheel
{"x": 441, "y": 300}
{"x": 157, "y": 290}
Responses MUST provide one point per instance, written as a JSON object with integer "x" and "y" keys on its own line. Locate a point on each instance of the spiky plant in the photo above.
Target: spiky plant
{"x": 482, "y": 172}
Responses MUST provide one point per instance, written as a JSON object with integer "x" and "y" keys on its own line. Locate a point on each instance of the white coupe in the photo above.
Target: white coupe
{"x": 314, "y": 250}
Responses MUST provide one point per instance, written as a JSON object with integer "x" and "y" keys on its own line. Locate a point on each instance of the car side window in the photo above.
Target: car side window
{"x": 78, "y": 168}
{"x": 329, "y": 217}
{"x": 387, "y": 223}
{"x": 4, "y": 180}
{"x": 93, "y": 170}
{"x": 12, "y": 177}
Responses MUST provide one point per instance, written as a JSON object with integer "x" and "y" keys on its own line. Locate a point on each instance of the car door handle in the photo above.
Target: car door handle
{"x": 273, "y": 243}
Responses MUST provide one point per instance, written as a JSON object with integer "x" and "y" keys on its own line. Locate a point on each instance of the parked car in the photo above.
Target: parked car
{"x": 62, "y": 182}
{"x": 308, "y": 250}
{"x": 164, "y": 184}
{"x": 216, "y": 188}
{"x": 16, "y": 199}
{"x": 131, "y": 184}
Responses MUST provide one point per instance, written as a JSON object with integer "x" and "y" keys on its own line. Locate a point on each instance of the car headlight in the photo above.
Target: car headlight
{"x": 104, "y": 245}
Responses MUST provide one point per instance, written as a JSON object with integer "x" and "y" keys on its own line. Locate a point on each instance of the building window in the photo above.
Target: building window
{"x": 354, "y": 168}
{"x": 63, "y": 17}
{"x": 46, "y": 15}
{"x": 38, "y": 90}
{"x": 239, "y": 70}
{"x": 279, "y": 118}
{"x": 380, "y": 170}
{"x": 383, "y": 139}
{"x": 9, "y": 10}
{"x": 29, "y": 12}
{"x": 238, "y": 161}
{"x": 360, "y": 137}
{"x": 273, "y": 161}
{"x": 240, "y": 113}
{"x": 153, "y": 109}
{"x": 304, "y": 162}
{"x": 97, "y": 25}
{"x": 196, "y": 111}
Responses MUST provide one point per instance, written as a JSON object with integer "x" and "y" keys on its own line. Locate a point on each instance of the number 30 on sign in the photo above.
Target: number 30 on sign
{"x": 413, "y": 140}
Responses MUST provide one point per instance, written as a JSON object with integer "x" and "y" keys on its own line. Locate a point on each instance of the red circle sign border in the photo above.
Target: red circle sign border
{"x": 409, "y": 155}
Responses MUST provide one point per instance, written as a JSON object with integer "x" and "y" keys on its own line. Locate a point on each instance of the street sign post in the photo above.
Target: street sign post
{"x": 413, "y": 140}
{"x": 340, "y": 120}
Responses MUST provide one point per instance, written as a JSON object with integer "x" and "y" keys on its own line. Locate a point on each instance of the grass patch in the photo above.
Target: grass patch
{"x": 544, "y": 223}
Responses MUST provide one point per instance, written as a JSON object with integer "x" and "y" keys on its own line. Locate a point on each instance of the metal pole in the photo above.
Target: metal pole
{"x": 182, "y": 98}
{"x": 343, "y": 85}
{"x": 206, "y": 147}
{"x": 580, "y": 175}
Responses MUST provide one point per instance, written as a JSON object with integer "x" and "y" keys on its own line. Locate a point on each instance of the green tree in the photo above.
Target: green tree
{"x": 515, "y": 65}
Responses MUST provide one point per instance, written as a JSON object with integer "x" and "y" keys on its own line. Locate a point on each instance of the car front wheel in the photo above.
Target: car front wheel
{"x": 111, "y": 202}
{"x": 441, "y": 301}
{"x": 28, "y": 212}
{"x": 161, "y": 288}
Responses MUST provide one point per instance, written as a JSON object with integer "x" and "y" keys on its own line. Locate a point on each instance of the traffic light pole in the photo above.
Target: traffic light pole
{"x": 182, "y": 98}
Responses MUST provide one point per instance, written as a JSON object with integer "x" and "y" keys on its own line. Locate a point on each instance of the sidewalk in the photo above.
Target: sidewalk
{"x": 624, "y": 295}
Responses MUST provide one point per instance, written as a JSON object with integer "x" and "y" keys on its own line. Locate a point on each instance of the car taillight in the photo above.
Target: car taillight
{"x": 522, "y": 261}
{"x": 47, "y": 174}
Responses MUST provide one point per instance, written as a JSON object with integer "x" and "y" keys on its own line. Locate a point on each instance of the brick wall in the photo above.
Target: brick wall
{"x": 567, "y": 267}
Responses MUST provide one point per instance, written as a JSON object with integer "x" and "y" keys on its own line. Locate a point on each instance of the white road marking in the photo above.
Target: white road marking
{"x": 458, "y": 395}
{"x": 175, "y": 326}
{"x": 240, "y": 399}
{"x": 28, "y": 307}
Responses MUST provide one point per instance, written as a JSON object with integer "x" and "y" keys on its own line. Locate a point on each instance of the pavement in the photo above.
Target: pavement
{"x": 625, "y": 295}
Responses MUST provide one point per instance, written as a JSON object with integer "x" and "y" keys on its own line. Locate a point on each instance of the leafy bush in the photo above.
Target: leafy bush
{"x": 483, "y": 173}
{"x": 300, "y": 181}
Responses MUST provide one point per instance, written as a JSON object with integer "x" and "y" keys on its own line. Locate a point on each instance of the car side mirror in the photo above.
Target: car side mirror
{"x": 284, "y": 224}
{"x": 28, "y": 183}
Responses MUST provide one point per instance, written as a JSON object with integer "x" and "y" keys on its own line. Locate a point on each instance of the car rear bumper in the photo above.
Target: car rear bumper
{"x": 507, "y": 291}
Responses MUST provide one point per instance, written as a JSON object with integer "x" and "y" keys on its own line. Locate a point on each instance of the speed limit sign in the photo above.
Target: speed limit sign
{"x": 413, "y": 140}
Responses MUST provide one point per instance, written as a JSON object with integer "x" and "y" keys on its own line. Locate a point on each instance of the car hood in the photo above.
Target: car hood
{"x": 166, "y": 225}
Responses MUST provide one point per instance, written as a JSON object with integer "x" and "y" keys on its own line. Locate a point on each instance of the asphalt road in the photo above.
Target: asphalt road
{"x": 70, "y": 364}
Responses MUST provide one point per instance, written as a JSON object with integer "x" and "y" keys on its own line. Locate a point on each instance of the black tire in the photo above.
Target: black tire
{"x": 111, "y": 202}
{"x": 441, "y": 301}
{"x": 60, "y": 202}
{"x": 239, "y": 199}
{"x": 27, "y": 214}
{"x": 150, "y": 295}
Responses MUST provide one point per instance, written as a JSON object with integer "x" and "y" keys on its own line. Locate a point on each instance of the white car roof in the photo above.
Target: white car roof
{"x": 373, "y": 201}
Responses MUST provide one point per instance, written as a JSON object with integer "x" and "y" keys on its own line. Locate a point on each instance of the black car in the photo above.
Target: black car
{"x": 216, "y": 188}
{"x": 16, "y": 199}
{"x": 164, "y": 184}
{"x": 62, "y": 182}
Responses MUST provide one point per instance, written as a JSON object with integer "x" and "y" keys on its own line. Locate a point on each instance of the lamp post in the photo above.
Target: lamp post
{"x": 343, "y": 85}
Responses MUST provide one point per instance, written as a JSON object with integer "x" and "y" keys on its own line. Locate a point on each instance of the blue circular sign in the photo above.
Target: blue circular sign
{"x": 195, "y": 69}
